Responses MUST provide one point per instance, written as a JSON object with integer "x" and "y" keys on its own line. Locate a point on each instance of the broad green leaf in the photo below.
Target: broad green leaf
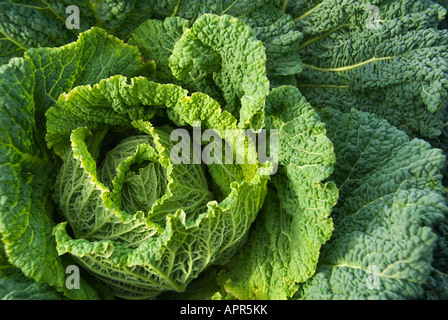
{"x": 14, "y": 285}
{"x": 156, "y": 39}
{"x": 193, "y": 9}
{"x": 436, "y": 286}
{"x": 117, "y": 101}
{"x": 28, "y": 86}
{"x": 397, "y": 71}
{"x": 223, "y": 51}
{"x": 30, "y": 24}
{"x": 27, "y": 24}
{"x": 93, "y": 57}
{"x": 390, "y": 200}
{"x": 281, "y": 41}
{"x": 275, "y": 29}
{"x": 283, "y": 247}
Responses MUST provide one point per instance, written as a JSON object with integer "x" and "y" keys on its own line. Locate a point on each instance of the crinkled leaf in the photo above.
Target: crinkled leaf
{"x": 193, "y": 9}
{"x": 280, "y": 38}
{"x": 93, "y": 57}
{"x": 390, "y": 198}
{"x": 28, "y": 86}
{"x": 275, "y": 29}
{"x": 156, "y": 39}
{"x": 14, "y": 285}
{"x": 223, "y": 51}
{"x": 436, "y": 286}
{"x": 294, "y": 223}
{"x": 29, "y": 24}
{"x": 107, "y": 105}
{"x": 398, "y": 71}
{"x": 24, "y": 26}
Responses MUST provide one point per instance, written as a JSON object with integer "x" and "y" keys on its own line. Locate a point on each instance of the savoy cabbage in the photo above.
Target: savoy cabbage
{"x": 346, "y": 199}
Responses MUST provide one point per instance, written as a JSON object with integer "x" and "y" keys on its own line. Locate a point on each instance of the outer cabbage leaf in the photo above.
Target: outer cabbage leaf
{"x": 294, "y": 223}
{"x": 398, "y": 71}
{"x": 390, "y": 199}
{"x": 156, "y": 39}
{"x": 95, "y": 56}
{"x": 204, "y": 287}
{"x": 29, "y": 25}
{"x": 224, "y": 51}
{"x": 109, "y": 101}
{"x": 26, "y": 24}
{"x": 444, "y": 23}
{"x": 436, "y": 287}
{"x": 193, "y": 9}
{"x": 14, "y": 285}
{"x": 281, "y": 41}
{"x": 28, "y": 86}
{"x": 141, "y": 254}
{"x": 274, "y": 28}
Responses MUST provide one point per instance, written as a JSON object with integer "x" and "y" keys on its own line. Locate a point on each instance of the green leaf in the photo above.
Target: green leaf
{"x": 15, "y": 286}
{"x": 28, "y": 86}
{"x": 25, "y": 214}
{"x": 93, "y": 57}
{"x": 390, "y": 199}
{"x": 156, "y": 39}
{"x": 29, "y": 24}
{"x": 223, "y": 51}
{"x": 398, "y": 71}
{"x": 117, "y": 101}
{"x": 283, "y": 247}
{"x": 436, "y": 286}
{"x": 193, "y": 9}
{"x": 281, "y": 41}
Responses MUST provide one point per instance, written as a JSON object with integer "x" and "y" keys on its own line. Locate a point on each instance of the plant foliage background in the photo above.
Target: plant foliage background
{"x": 356, "y": 210}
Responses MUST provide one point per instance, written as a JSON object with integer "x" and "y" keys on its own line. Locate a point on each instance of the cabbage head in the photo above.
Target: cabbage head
{"x": 139, "y": 219}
